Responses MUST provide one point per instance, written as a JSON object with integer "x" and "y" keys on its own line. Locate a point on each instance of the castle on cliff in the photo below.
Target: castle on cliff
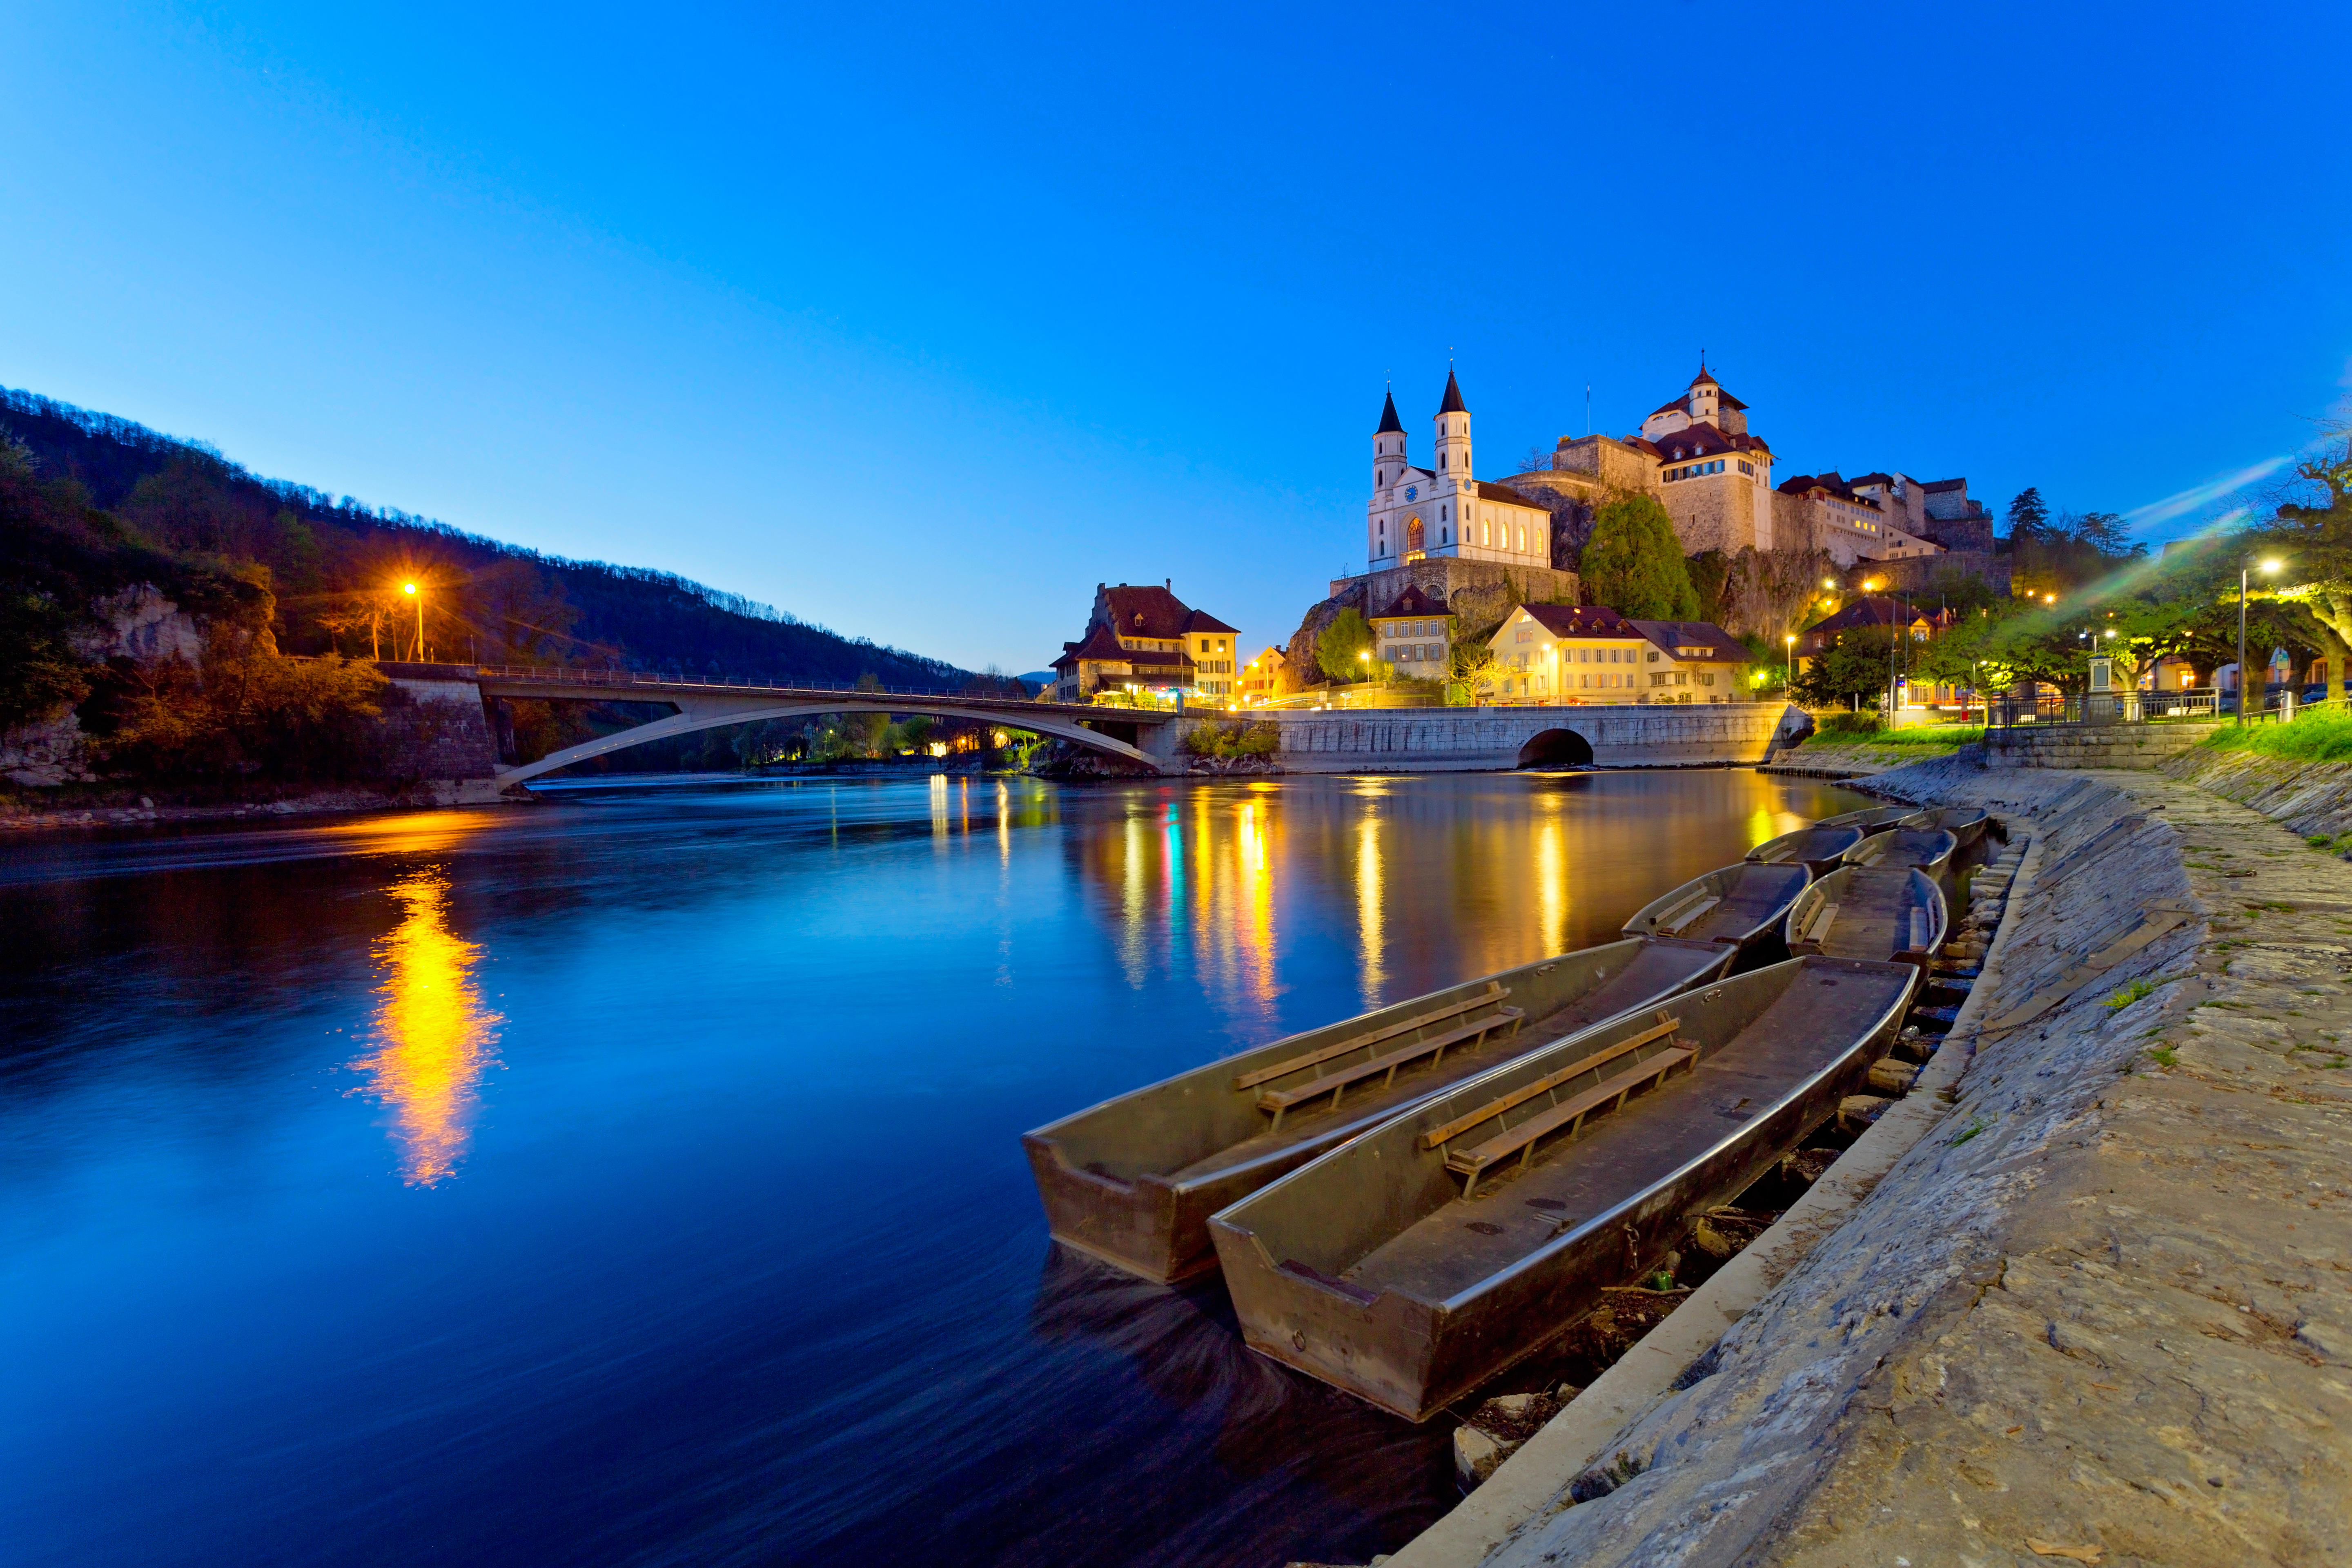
{"x": 1695, "y": 454}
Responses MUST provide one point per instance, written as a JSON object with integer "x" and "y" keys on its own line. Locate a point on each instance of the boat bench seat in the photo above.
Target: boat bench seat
{"x": 1522, "y": 1140}
{"x": 1495, "y": 991}
{"x": 1558, "y": 1112}
{"x": 1674, "y": 920}
{"x": 1335, "y": 1084}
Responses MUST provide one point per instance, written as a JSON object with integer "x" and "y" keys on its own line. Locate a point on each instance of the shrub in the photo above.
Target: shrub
{"x": 1234, "y": 738}
{"x": 1828, "y": 724}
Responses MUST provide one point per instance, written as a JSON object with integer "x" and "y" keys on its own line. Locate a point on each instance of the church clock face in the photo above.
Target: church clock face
{"x": 1413, "y": 492}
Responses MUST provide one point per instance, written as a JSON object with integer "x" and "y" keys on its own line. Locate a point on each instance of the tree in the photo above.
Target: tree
{"x": 1339, "y": 647}
{"x": 2312, "y": 533}
{"x": 1856, "y": 666}
{"x": 1633, "y": 563}
{"x": 2028, "y": 515}
{"x": 1476, "y": 668}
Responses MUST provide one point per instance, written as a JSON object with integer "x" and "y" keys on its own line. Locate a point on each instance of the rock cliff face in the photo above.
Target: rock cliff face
{"x": 138, "y": 624}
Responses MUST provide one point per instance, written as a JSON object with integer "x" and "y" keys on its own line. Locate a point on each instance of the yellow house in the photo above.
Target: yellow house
{"x": 1413, "y": 634}
{"x": 1148, "y": 640}
{"x": 1265, "y": 675}
{"x": 1578, "y": 654}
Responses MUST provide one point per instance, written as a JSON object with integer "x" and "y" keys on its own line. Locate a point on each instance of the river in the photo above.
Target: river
{"x": 635, "y": 1179}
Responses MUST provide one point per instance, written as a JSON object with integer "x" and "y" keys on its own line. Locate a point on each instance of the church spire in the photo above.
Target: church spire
{"x": 1389, "y": 417}
{"x": 1453, "y": 404}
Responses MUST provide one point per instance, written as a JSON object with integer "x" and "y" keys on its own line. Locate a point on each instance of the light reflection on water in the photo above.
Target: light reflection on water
{"x": 438, "y": 1035}
{"x": 735, "y": 1259}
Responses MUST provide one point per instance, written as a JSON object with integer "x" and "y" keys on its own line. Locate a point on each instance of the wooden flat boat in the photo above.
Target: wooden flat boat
{"x": 1870, "y": 818}
{"x": 1884, "y": 912}
{"x": 1415, "y": 1263}
{"x": 1816, "y": 849}
{"x": 1929, "y": 848}
{"x": 1738, "y": 904}
{"x": 1964, "y": 823}
{"x": 1134, "y": 1179}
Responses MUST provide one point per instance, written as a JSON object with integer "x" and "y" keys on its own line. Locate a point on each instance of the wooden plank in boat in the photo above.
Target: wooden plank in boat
{"x": 1278, "y": 1100}
{"x": 1520, "y": 1095}
{"x": 1522, "y": 1140}
{"x": 1675, "y": 923}
{"x": 1358, "y": 1042}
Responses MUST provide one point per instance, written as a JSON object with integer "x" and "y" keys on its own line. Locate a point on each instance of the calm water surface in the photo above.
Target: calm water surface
{"x": 636, "y": 1178}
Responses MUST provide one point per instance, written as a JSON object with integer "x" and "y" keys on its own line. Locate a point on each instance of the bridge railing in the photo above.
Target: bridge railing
{"x": 639, "y": 679}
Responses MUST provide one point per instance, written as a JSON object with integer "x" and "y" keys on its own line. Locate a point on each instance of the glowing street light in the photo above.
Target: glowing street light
{"x": 411, "y": 590}
{"x": 1789, "y": 680}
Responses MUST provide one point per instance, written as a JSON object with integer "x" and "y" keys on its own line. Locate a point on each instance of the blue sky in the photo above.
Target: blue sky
{"x": 921, "y": 322}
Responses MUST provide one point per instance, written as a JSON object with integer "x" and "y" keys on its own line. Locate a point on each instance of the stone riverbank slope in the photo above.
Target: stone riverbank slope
{"x": 2102, "y": 1310}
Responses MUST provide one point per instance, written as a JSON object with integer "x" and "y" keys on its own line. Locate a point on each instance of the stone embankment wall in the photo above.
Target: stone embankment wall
{"x": 2099, "y": 1308}
{"x": 2090, "y": 745}
{"x": 1451, "y": 740}
{"x": 436, "y": 730}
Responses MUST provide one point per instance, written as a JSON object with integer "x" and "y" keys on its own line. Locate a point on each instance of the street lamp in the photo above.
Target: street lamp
{"x": 410, "y": 589}
{"x": 1789, "y": 682}
{"x": 2244, "y": 567}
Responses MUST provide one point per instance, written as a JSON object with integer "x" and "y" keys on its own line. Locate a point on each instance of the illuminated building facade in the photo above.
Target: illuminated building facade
{"x": 1148, "y": 638}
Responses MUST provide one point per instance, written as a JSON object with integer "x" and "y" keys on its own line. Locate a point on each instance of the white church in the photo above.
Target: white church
{"x": 1443, "y": 513}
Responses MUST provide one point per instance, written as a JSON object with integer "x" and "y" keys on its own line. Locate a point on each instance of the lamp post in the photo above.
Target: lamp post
{"x": 2244, "y": 567}
{"x": 410, "y": 589}
{"x": 1789, "y": 681}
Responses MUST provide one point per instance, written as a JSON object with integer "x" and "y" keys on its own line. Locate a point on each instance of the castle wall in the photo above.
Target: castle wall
{"x": 1443, "y": 578}
{"x": 1719, "y": 511}
{"x": 1915, "y": 573}
{"x": 1611, "y": 461}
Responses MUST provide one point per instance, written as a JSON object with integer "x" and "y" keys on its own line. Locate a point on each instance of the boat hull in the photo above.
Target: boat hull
{"x": 1873, "y": 919}
{"x": 1817, "y": 849}
{"x": 1411, "y": 1351}
{"x": 1748, "y": 902}
{"x": 1928, "y": 848}
{"x": 1966, "y": 824}
{"x": 1133, "y": 1181}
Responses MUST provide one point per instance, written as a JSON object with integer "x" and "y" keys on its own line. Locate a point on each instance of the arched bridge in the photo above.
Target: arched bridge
{"x": 708, "y": 705}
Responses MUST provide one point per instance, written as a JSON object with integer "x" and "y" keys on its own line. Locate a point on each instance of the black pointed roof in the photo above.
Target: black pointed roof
{"x": 1453, "y": 404}
{"x": 1388, "y": 418}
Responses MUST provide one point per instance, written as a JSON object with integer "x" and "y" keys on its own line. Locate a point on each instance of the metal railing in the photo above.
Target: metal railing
{"x": 563, "y": 675}
{"x": 2011, "y": 712}
{"x": 2278, "y": 705}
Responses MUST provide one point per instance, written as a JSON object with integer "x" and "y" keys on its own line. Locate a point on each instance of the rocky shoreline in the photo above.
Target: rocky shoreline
{"x": 2095, "y": 1308}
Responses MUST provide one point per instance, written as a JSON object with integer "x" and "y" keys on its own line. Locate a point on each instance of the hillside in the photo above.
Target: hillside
{"x": 335, "y": 568}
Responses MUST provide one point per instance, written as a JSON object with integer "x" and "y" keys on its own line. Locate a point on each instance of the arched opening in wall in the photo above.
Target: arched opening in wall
{"x": 1556, "y": 749}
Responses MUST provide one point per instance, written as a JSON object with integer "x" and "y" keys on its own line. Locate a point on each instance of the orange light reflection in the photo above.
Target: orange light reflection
{"x": 436, "y": 1035}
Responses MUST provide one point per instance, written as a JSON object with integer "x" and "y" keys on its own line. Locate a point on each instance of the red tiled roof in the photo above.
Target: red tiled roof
{"x": 1504, "y": 494}
{"x": 1673, "y": 634}
{"x": 1828, "y": 484}
{"x": 1700, "y": 441}
{"x": 1581, "y": 621}
{"x": 1413, "y": 601}
{"x": 1148, "y": 612}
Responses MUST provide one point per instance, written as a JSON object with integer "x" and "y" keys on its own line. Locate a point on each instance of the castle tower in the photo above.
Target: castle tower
{"x": 1388, "y": 447}
{"x": 1453, "y": 436}
{"x": 1706, "y": 397}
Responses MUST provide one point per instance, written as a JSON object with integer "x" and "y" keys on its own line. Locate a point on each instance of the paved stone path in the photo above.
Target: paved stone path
{"x": 2102, "y": 1313}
